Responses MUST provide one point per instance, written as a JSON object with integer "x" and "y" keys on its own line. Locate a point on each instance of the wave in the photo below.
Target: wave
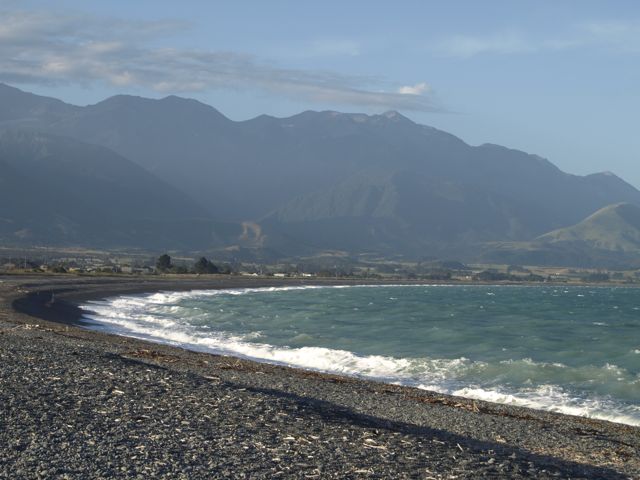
{"x": 554, "y": 398}
{"x": 156, "y": 318}
{"x": 168, "y": 297}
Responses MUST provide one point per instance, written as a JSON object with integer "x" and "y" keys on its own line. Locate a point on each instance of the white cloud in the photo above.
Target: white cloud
{"x": 123, "y": 79}
{"x": 417, "y": 89}
{"x": 43, "y": 48}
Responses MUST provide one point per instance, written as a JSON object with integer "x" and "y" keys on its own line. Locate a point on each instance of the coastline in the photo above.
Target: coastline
{"x": 391, "y": 431}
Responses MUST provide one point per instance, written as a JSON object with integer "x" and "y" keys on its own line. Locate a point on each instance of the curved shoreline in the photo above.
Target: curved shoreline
{"x": 525, "y": 443}
{"x": 327, "y": 358}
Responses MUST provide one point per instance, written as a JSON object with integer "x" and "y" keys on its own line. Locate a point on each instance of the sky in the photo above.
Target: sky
{"x": 558, "y": 78}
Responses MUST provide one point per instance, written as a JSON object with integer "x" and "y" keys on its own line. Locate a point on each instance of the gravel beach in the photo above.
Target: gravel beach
{"x": 81, "y": 404}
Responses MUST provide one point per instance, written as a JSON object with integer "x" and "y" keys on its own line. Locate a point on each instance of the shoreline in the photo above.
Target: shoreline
{"x": 295, "y": 357}
{"x": 459, "y": 436}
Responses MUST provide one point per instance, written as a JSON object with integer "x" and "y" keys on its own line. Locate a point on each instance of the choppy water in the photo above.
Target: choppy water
{"x": 569, "y": 349}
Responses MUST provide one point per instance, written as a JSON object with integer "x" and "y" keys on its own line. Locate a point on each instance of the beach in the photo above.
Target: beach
{"x": 82, "y": 404}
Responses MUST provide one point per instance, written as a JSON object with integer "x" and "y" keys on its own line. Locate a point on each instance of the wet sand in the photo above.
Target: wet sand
{"x": 81, "y": 404}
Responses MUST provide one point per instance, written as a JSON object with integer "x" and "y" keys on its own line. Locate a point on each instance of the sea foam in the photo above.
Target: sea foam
{"x": 159, "y": 317}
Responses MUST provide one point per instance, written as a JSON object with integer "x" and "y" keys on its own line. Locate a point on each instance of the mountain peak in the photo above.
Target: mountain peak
{"x": 24, "y": 107}
{"x": 395, "y": 116}
{"x": 9, "y": 92}
{"x": 170, "y": 105}
{"x": 175, "y": 99}
{"x": 609, "y": 180}
{"x": 391, "y": 114}
{"x": 122, "y": 98}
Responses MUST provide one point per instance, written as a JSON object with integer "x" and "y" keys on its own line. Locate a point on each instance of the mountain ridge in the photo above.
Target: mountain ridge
{"x": 60, "y": 191}
{"x": 327, "y": 180}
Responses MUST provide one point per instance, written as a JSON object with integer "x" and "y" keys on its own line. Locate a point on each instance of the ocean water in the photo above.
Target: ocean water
{"x": 573, "y": 350}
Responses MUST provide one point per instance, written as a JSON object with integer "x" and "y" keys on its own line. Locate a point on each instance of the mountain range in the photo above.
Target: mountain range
{"x": 176, "y": 173}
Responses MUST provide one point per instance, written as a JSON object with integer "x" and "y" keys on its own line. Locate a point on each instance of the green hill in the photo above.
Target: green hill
{"x": 608, "y": 238}
{"x": 615, "y": 228}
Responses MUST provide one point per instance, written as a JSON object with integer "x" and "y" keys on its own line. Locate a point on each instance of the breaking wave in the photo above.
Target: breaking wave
{"x": 173, "y": 318}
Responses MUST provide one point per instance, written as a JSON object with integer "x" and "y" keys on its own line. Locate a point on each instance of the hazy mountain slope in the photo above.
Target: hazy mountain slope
{"x": 59, "y": 191}
{"x": 243, "y": 170}
{"x": 398, "y": 212}
{"x": 184, "y": 142}
{"x": 608, "y": 238}
{"x": 330, "y": 179}
{"x": 27, "y": 109}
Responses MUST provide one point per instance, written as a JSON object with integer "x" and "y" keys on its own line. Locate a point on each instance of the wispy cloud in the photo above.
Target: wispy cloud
{"x": 618, "y": 35}
{"x": 621, "y": 35}
{"x": 496, "y": 43}
{"x": 81, "y": 49}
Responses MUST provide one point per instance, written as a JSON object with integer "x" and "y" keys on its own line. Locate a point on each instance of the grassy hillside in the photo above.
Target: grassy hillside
{"x": 616, "y": 228}
{"x": 608, "y": 238}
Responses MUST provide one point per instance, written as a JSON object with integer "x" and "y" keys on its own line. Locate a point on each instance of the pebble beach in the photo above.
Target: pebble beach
{"x": 76, "y": 403}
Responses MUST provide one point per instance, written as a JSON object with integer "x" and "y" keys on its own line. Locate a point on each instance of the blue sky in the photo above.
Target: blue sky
{"x": 555, "y": 78}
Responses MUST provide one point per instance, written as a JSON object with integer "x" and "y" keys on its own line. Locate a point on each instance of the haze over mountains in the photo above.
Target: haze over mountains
{"x": 58, "y": 191}
{"x": 188, "y": 177}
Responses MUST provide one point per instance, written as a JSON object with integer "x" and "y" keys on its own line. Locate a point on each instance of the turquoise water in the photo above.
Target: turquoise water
{"x": 570, "y": 349}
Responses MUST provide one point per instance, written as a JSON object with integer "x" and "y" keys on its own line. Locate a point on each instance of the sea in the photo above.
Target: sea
{"x": 568, "y": 349}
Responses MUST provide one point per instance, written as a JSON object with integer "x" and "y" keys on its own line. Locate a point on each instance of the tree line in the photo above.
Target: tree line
{"x": 203, "y": 265}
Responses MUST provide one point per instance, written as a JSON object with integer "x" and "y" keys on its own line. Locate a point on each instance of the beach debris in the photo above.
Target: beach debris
{"x": 152, "y": 354}
{"x": 363, "y": 470}
{"x": 378, "y": 447}
{"x": 370, "y": 443}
